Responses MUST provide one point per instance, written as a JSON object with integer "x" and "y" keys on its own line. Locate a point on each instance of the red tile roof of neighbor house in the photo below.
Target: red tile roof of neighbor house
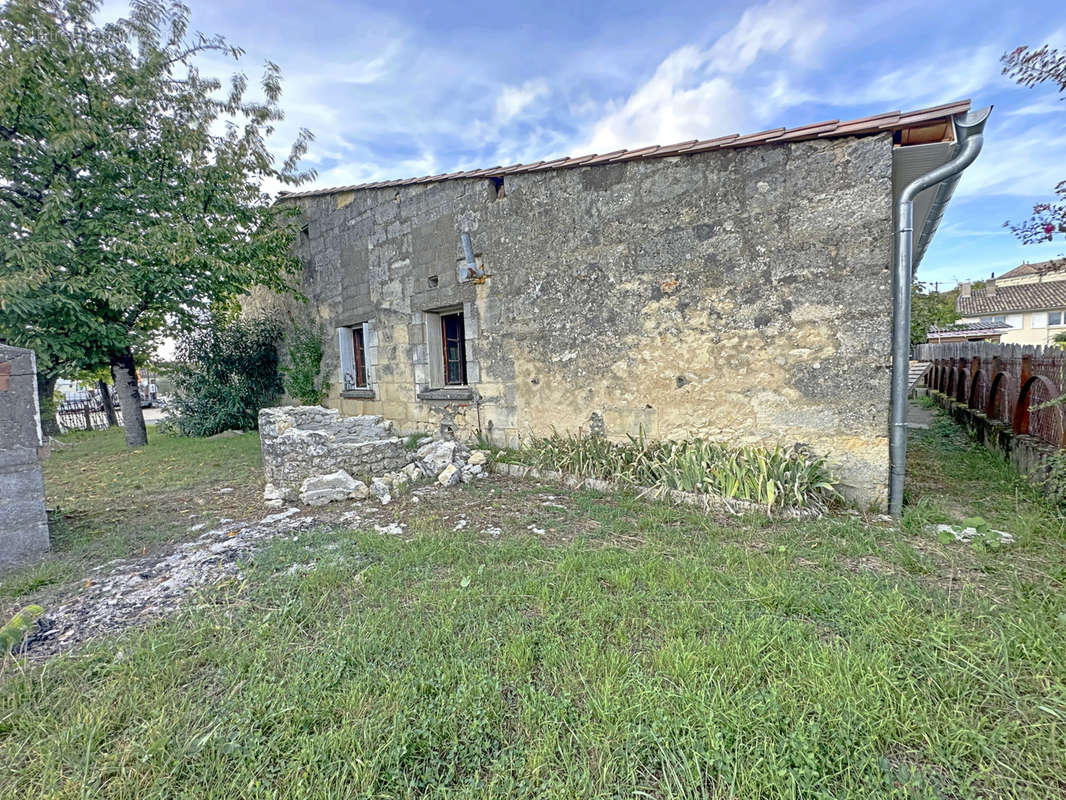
{"x": 915, "y": 127}
{"x": 1040, "y": 268}
{"x": 1023, "y": 297}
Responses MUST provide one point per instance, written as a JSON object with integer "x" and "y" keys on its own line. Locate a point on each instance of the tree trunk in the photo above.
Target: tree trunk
{"x": 46, "y": 388}
{"x": 109, "y": 407}
{"x": 124, "y": 374}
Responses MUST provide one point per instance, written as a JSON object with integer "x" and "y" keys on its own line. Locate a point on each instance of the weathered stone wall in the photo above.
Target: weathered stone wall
{"x": 738, "y": 295}
{"x": 23, "y": 520}
{"x": 301, "y": 442}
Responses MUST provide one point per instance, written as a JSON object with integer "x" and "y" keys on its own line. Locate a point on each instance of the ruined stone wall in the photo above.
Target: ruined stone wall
{"x": 738, "y": 295}
{"x": 301, "y": 442}
{"x": 23, "y": 521}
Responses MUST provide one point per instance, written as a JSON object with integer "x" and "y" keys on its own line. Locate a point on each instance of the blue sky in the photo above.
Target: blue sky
{"x": 405, "y": 89}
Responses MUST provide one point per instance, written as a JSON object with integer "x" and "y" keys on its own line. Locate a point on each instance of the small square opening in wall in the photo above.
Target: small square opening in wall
{"x": 433, "y": 281}
{"x": 305, "y": 234}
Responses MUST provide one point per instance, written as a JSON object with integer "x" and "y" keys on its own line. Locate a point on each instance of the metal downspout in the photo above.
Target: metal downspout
{"x": 969, "y": 136}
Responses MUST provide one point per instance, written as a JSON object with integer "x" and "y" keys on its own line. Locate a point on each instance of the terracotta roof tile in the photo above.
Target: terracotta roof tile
{"x": 1022, "y": 297}
{"x": 877, "y": 123}
{"x": 807, "y": 131}
{"x": 704, "y": 145}
{"x": 1040, "y": 268}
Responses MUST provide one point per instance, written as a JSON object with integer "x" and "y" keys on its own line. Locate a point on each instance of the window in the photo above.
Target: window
{"x": 453, "y": 335}
{"x": 1054, "y": 318}
{"x": 998, "y": 318}
{"x": 352, "y": 342}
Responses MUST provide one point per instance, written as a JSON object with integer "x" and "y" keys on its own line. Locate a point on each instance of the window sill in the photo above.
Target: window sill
{"x": 358, "y": 394}
{"x": 447, "y": 393}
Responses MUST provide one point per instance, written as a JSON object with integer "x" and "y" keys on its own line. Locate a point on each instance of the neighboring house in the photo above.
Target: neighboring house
{"x": 735, "y": 289}
{"x": 967, "y": 332}
{"x": 1031, "y": 299}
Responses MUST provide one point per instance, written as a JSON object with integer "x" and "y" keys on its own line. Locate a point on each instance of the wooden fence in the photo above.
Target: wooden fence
{"x": 1006, "y": 382}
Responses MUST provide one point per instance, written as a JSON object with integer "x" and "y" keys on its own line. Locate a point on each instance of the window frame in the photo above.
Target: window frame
{"x": 458, "y": 338}
{"x": 352, "y": 343}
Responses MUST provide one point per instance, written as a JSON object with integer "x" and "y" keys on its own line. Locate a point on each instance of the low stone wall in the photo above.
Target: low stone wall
{"x": 1028, "y": 454}
{"x": 300, "y": 442}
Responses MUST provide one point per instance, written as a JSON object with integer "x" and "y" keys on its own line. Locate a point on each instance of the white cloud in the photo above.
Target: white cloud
{"x": 513, "y": 100}
{"x": 768, "y": 28}
{"x": 1026, "y": 162}
{"x": 1046, "y": 106}
{"x": 694, "y": 93}
{"x": 943, "y": 78}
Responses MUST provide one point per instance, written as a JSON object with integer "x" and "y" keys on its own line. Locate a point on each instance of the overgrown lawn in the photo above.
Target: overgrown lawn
{"x": 631, "y": 649}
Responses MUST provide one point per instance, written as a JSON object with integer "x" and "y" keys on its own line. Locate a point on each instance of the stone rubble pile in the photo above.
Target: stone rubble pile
{"x": 314, "y": 455}
{"x": 301, "y": 443}
{"x": 132, "y": 591}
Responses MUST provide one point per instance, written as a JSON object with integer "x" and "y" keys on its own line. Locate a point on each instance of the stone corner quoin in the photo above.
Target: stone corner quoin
{"x": 739, "y": 295}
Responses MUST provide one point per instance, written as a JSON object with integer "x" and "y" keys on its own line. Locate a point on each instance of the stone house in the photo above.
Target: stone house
{"x": 736, "y": 289}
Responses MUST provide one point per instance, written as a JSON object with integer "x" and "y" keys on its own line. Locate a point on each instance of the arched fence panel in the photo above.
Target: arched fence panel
{"x": 962, "y": 385}
{"x": 1013, "y": 384}
{"x": 979, "y": 390}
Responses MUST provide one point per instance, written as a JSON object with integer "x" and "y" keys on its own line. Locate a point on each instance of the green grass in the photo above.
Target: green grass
{"x": 108, "y": 501}
{"x": 634, "y": 650}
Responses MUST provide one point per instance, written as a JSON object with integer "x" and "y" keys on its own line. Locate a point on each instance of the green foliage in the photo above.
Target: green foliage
{"x": 130, "y": 184}
{"x": 302, "y": 376}
{"x": 929, "y": 308}
{"x": 775, "y": 478}
{"x": 12, "y": 634}
{"x": 229, "y": 371}
{"x": 1054, "y": 481}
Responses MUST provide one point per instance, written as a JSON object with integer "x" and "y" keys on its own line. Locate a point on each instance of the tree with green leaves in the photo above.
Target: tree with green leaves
{"x": 1031, "y": 67}
{"x": 929, "y": 308}
{"x": 131, "y": 185}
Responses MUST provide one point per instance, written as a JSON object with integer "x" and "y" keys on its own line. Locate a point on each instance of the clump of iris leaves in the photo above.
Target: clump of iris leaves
{"x": 776, "y": 478}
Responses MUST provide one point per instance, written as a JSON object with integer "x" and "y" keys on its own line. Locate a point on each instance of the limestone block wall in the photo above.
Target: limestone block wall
{"x": 23, "y": 520}
{"x": 300, "y": 442}
{"x": 738, "y": 295}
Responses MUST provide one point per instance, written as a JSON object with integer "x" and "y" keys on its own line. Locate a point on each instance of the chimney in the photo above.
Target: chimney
{"x": 964, "y": 289}
{"x": 990, "y": 287}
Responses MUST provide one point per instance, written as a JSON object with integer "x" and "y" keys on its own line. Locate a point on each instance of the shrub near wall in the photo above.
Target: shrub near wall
{"x": 228, "y": 371}
{"x": 303, "y": 379}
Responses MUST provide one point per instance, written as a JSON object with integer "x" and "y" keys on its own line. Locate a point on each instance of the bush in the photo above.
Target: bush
{"x": 227, "y": 372}
{"x": 302, "y": 380}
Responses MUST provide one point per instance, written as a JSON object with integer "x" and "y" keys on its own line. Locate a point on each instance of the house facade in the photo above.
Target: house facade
{"x": 1030, "y": 300}
{"x": 732, "y": 289}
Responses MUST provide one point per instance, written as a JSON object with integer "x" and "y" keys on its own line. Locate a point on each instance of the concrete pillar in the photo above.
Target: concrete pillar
{"x": 23, "y": 521}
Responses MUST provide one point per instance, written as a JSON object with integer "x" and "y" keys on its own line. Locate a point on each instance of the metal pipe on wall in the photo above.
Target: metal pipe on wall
{"x": 969, "y": 137}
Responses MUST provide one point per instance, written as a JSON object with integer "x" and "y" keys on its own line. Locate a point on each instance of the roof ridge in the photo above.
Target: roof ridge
{"x": 872, "y": 124}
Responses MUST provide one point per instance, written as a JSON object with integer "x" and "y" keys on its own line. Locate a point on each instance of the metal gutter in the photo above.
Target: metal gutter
{"x": 969, "y": 138}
